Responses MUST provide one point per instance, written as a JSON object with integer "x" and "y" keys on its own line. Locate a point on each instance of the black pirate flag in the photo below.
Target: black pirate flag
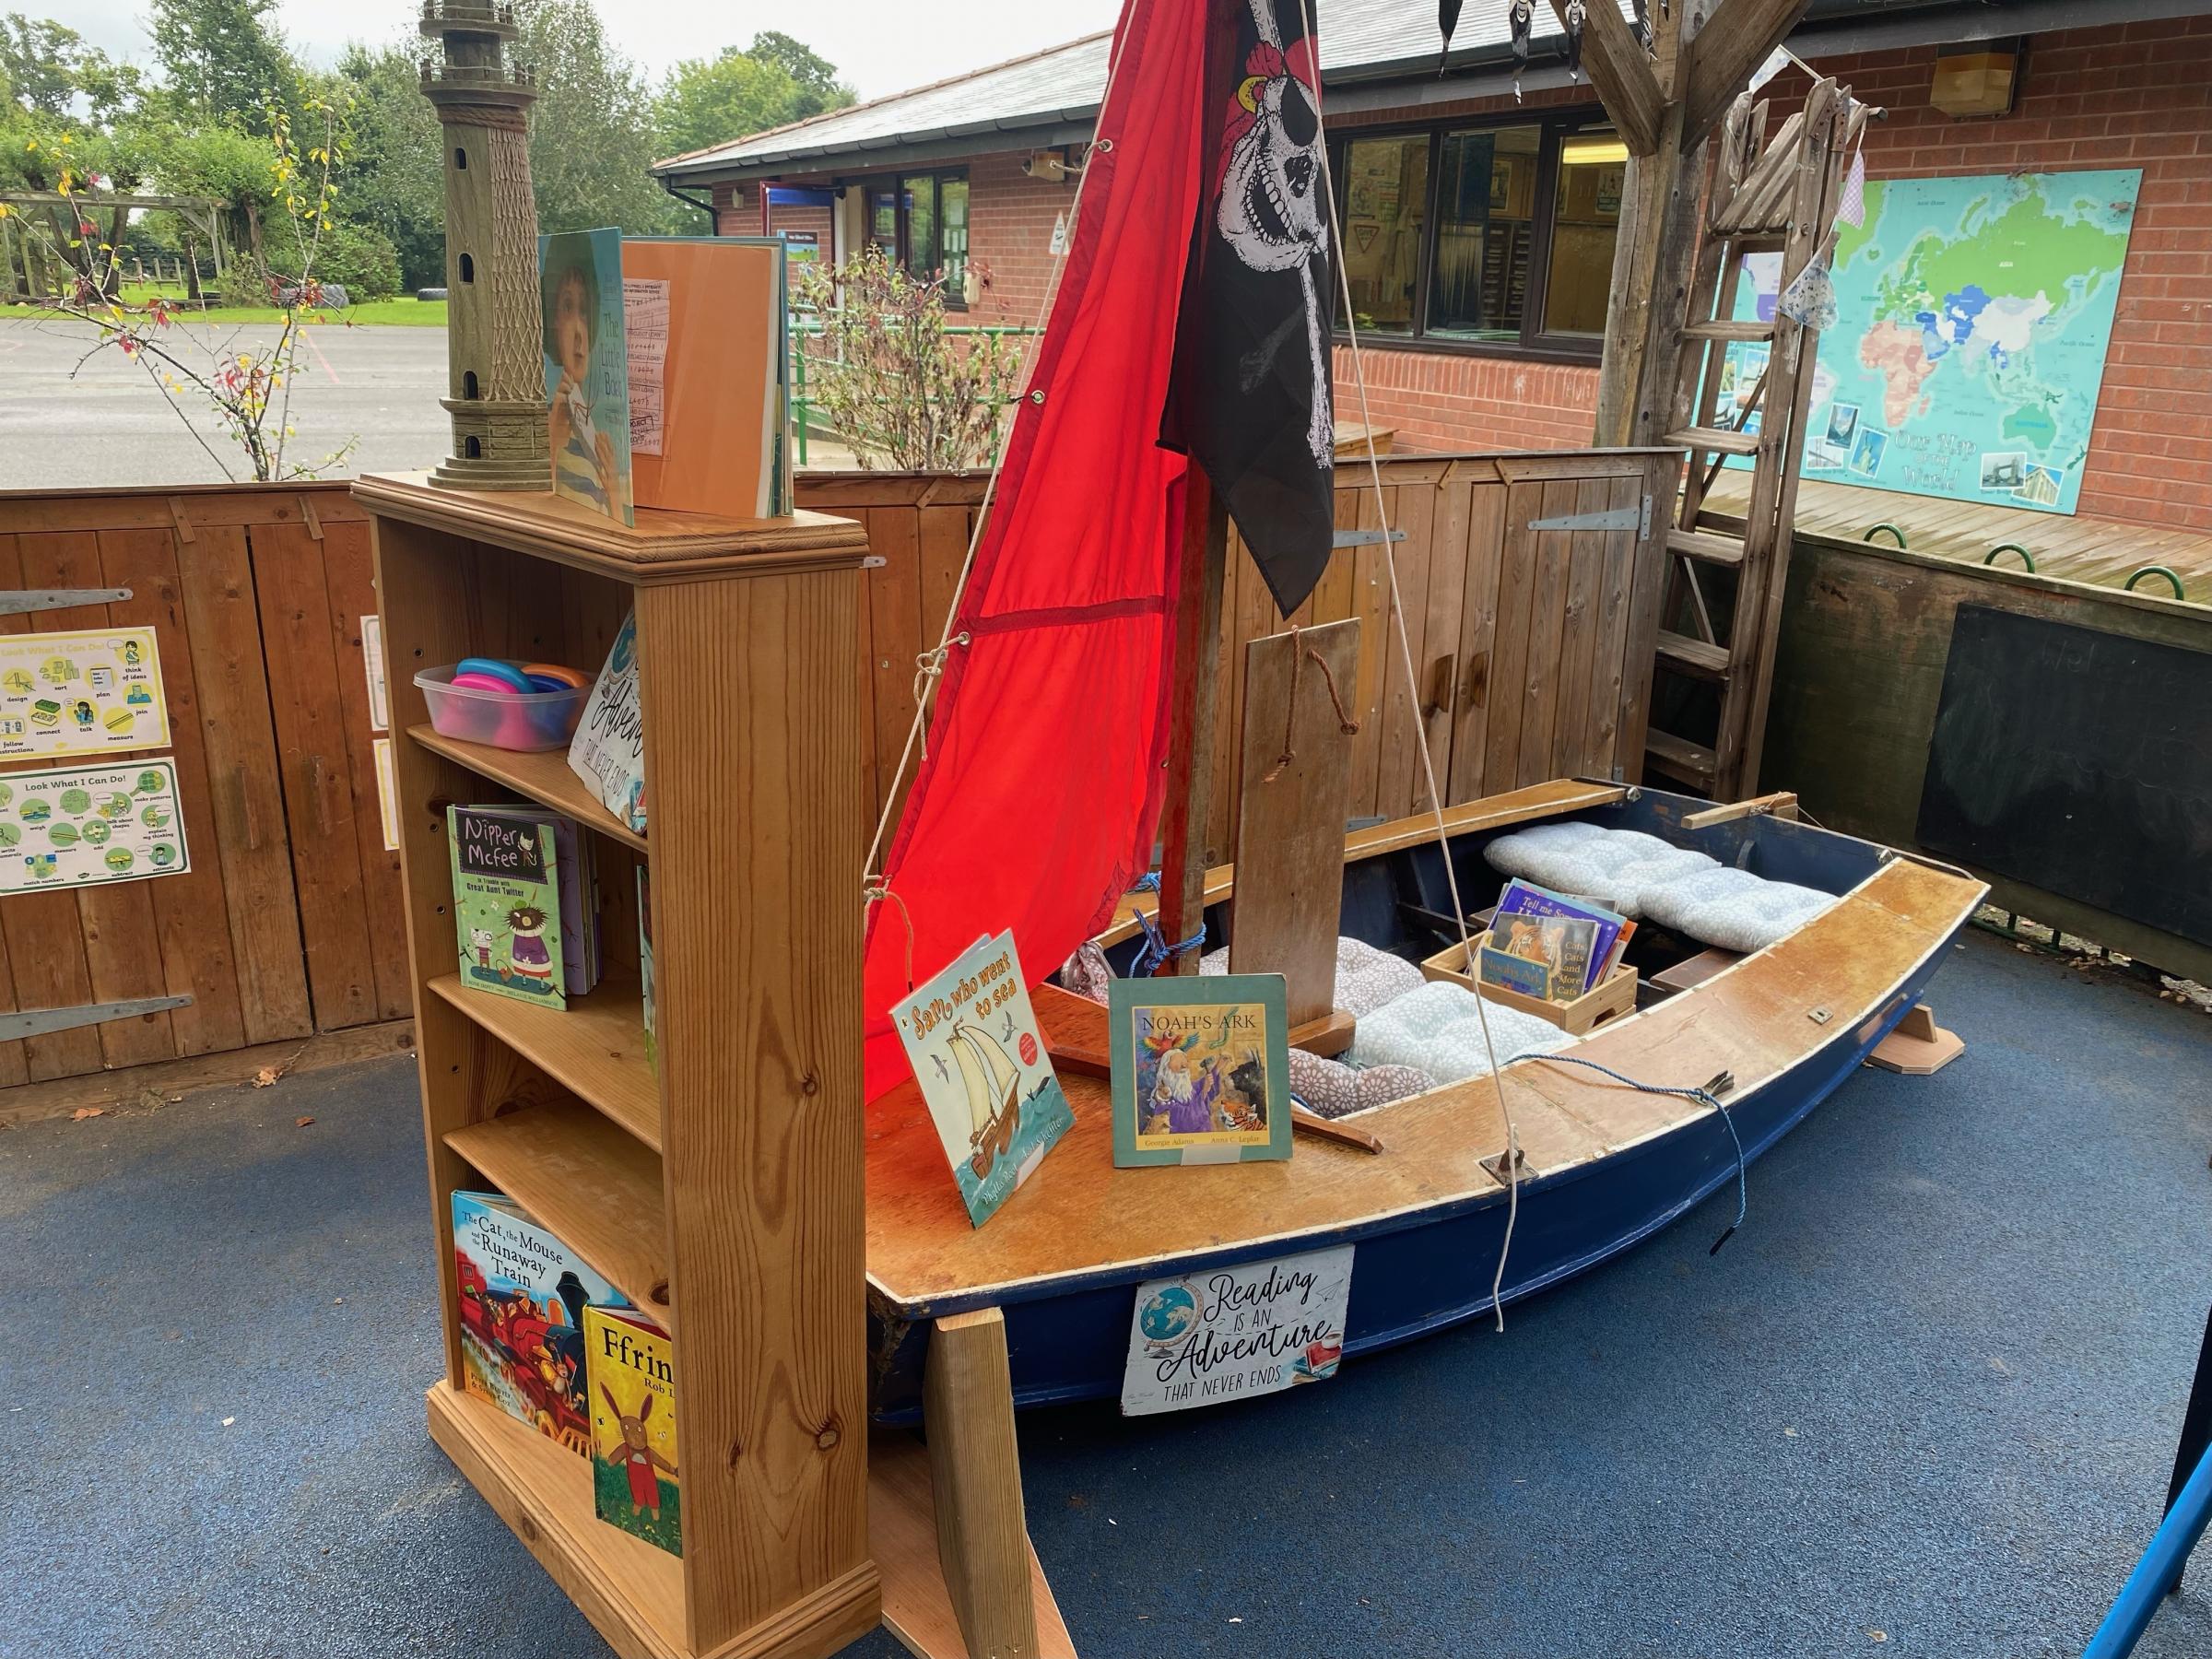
{"x": 1250, "y": 397}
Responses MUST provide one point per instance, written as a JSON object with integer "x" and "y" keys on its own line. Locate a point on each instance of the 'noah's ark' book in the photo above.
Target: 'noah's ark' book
{"x": 632, "y": 1373}
{"x": 972, "y": 1038}
{"x": 523, "y": 1297}
{"x": 1201, "y": 1068}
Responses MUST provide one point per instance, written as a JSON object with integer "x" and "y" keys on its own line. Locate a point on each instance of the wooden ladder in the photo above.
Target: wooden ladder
{"x": 1719, "y": 628}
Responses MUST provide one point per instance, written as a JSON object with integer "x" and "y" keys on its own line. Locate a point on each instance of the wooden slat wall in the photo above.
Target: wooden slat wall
{"x": 288, "y": 922}
{"x": 1531, "y": 658}
{"x": 1558, "y": 624}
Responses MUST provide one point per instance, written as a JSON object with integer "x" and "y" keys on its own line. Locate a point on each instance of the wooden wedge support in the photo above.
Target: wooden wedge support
{"x": 902, "y": 1539}
{"x": 975, "y": 1474}
{"x": 1918, "y": 1047}
{"x": 1782, "y": 804}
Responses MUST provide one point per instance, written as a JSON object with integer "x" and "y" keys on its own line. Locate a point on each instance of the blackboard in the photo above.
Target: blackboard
{"x": 2079, "y": 762}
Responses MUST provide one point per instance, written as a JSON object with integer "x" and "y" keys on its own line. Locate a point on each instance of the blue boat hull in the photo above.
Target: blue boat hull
{"x": 1430, "y": 1269}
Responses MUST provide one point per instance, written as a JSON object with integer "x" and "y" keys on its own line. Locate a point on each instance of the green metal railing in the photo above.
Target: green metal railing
{"x": 802, "y": 330}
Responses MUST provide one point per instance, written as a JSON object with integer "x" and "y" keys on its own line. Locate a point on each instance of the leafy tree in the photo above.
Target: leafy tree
{"x": 393, "y": 182}
{"x": 711, "y": 100}
{"x": 46, "y": 70}
{"x": 815, "y": 74}
{"x": 223, "y": 59}
{"x": 591, "y": 136}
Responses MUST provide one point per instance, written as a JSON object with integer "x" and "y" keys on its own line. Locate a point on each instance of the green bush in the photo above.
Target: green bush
{"x": 362, "y": 259}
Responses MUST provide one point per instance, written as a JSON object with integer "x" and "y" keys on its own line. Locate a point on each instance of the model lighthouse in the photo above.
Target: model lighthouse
{"x": 496, "y": 395}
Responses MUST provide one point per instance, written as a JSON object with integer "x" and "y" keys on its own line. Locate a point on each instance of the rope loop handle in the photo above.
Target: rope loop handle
{"x": 1300, "y": 650}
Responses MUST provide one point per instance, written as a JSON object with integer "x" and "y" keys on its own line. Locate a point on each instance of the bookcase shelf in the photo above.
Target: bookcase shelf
{"x": 728, "y": 1183}
{"x": 544, "y": 1491}
{"x": 593, "y": 1186}
{"x": 543, "y": 775}
{"x": 596, "y": 1047}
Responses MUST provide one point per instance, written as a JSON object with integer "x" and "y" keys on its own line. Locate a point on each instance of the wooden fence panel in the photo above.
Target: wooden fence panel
{"x": 1531, "y": 656}
{"x": 1531, "y": 650}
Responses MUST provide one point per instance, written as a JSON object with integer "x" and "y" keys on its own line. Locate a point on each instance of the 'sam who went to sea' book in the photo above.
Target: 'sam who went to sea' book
{"x": 977, "y": 1053}
{"x": 1201, "y": 1069}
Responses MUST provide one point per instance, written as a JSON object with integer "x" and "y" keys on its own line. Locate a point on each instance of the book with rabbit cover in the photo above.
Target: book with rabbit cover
{"x": 632, "y": 1372}
{"x": 524, "y": 1295}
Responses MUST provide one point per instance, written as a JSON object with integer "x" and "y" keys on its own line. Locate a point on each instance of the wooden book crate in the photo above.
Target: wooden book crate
{"x": 1616, "y": 996}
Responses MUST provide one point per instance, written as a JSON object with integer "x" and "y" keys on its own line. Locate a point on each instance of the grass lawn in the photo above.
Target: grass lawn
{"x": 407, "y": 312}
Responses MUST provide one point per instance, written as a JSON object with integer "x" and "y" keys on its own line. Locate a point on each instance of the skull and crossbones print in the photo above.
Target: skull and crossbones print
{"x": 1271, "y": 210}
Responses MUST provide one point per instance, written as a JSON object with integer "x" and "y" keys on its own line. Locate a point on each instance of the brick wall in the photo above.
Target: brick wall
{"x": 1436, "y": 401}
{"x": 2134, "y": 95}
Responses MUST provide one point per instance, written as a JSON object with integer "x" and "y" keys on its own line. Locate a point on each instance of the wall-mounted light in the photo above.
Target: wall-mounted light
{"x": 1599, "y": 149}
{"x": 1976, "y": 79}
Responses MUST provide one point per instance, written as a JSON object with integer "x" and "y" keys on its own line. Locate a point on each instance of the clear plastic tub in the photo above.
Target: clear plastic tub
{"x": 508, "y": 719}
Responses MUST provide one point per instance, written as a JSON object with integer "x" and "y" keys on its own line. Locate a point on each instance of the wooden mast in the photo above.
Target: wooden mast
{"x": 1191, "y": 700}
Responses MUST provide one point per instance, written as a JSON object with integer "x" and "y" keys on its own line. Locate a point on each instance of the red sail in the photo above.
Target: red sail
{"x": 1037, "y": 805}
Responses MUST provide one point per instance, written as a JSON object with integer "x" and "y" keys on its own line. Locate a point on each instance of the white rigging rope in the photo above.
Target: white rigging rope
{"x": 1420, "y": 725}
{"x": 930, "y": 664}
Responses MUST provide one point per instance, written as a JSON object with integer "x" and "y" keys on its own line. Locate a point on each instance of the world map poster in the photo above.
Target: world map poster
{"x": 1973, "y": 320}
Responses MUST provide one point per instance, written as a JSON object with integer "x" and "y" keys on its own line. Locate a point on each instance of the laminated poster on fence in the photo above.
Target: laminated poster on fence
{"x": 93, "y": 692}
{"x": 86, "y": 825}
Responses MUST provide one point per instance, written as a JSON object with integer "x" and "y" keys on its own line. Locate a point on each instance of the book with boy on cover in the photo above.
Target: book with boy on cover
{"x": 977, "y": 1053}
{"x": 632, "y": 1369}
{"x": 523, "y": 906}
{"x": 523, "y": 1297}
{"x": 587, "y": 369}
{"x": 1580, "y": 941}
{"x": 1201, "y": 1069}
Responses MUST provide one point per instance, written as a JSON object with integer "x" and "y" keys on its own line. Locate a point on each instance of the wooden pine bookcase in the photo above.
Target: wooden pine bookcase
{"x": 724, "y": 1192}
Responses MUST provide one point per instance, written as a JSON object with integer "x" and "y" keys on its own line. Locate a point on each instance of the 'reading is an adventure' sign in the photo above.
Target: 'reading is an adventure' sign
{"x": 1231, "y": 1333}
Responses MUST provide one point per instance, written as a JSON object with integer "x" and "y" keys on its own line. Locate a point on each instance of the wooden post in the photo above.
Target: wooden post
{"x": 1191, "y": 727}
{"x": 975, "y": 1468}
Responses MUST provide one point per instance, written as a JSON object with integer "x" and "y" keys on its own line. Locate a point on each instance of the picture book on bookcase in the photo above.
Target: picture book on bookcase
{"x": 523, "y": 1298}
{"x": 608, "y": 749}
{"x": 632, "y": 1369}
{"x": 526, "y": 903}
{"x": 973, "y": 1041}
{"x": 666, "y": 364}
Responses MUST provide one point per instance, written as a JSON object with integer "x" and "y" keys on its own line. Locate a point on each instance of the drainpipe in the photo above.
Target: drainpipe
{"x": 689, "y": 200}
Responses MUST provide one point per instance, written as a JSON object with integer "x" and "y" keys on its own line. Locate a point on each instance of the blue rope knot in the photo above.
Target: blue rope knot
{"x": 1156, "y": 948}
{"x": 1146, "y": 883}
{"x": 1703, "y": 1096}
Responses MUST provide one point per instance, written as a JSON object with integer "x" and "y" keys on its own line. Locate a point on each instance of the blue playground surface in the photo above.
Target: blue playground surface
{"x": 1923, "y": 1403}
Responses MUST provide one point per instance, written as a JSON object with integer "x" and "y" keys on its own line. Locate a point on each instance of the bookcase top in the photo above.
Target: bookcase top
{"x": 663, "y": 547}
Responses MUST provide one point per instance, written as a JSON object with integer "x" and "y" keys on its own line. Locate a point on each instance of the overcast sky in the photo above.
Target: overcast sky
{"x": 879, "y": 46}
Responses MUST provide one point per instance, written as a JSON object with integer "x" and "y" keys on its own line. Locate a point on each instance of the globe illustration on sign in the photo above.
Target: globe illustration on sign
{"x": 1169, "y": 1313}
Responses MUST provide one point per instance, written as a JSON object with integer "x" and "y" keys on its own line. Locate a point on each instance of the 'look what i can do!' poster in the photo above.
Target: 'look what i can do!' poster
{"x": 82, "y": 825}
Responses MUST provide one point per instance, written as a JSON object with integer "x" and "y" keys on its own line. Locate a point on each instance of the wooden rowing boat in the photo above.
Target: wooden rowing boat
{"x": 1605, "y": 1166}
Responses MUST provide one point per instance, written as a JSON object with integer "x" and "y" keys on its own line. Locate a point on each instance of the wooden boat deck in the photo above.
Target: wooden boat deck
{"x": 1079, "y": 1216}
{"x": 2077, "y": 549}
